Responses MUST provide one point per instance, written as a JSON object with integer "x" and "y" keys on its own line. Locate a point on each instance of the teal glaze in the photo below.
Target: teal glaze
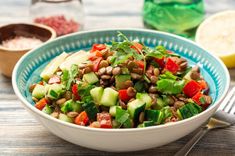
{"x": 28, "y": 69}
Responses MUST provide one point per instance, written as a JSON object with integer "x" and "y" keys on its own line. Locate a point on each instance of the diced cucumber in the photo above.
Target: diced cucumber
{"x": 135, "y": 108}
{"x": 120, "y": 81}
{"x": 185, "y": 112}
{"x": 154, "y": 115}
{"x": 179, "y": 114}
{"x": 71, "y": 105}
{"x": 148, "y": 123}
{"x": 76, "y": 58}
{"x": 160, "y": 104}
{"x": 146, "y": 98}
{"x": 112, "y": 110}
{"x": 51, "y": 68}
{"x": 96, "y": 94}
{"x": 189, "y": 110}
{"x": 109, "y": 97}
{"x": 91, "y": 110}
{"x": 65, "y": 118}
{"x": 55, "y": 90}
{"x": 90, "y": 78}
{"x": 39, "y": 91}
{"x": 127, "y": 123}
{"x": 140, "y": 86}
{"x": 140, "y": 126}
{"x": 47, "y": 109}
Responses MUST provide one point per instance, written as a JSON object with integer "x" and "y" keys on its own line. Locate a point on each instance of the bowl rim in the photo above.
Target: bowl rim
{"x": 181, "y": 122}
{"x": 41, "y": 26}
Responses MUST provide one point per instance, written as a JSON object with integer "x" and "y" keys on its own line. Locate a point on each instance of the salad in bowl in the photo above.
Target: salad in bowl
{"x": 124, "y": 84}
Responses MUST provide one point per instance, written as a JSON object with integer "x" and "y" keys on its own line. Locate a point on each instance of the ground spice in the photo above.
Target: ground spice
{"x": 59, "y": 23}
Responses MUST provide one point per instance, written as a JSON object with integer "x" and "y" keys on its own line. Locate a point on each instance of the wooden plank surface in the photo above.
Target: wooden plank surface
{"x": 21, "y": 134}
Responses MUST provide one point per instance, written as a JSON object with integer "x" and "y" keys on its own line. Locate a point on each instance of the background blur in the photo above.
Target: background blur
{"x": 98, "y": 13}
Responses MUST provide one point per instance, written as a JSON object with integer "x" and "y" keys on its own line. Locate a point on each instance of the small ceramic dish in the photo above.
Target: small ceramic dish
{"x": 29, "y": 67}
{"x": 9, "y": 56}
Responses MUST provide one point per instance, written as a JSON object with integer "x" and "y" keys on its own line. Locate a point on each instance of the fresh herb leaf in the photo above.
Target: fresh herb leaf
{"x": 121, "y": 115}
{"x": 91, "y": 109}
{"x": 169, "y": 86}
{"x": 74, "y": 71}
{"x": 168, "y": 75}
{"x": 166, "y": 112}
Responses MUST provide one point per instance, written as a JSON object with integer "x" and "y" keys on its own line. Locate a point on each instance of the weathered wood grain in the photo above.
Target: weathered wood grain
{"x": 21, "y": 134}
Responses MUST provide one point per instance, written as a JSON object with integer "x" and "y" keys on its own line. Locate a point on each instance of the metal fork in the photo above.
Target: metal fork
{"x": 224, "y": 117}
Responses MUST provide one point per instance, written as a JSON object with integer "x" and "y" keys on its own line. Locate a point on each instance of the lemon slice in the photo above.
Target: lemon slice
{"x": 217, "y": 35}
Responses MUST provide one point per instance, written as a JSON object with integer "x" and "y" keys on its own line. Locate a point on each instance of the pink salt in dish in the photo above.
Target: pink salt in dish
{"x": 21, "y": 42}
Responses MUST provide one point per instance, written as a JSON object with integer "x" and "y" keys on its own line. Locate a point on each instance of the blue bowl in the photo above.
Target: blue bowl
{"x": 28, "y": 68}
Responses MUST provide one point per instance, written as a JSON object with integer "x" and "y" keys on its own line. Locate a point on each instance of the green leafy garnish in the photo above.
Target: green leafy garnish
{"x": 202, "y": 100}
{"x": 169, "y": 86}
{"x": 168, "y": 75}
{"x": 69, "y": 76}
{"x": 84, "y": 91}
{"x": 122, "y": 116}
{"x": 123, "y": 51}
{"x": 166, "y": 112}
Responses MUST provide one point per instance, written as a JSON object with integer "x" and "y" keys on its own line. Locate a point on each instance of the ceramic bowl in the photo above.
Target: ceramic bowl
{"x": 29, "y": 67}
{"x": 8, "y": 56}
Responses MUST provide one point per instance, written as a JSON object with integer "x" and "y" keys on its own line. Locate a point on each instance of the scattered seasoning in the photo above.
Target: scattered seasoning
{"x": 21, "y": 42}
{"x": 59, "y": 23}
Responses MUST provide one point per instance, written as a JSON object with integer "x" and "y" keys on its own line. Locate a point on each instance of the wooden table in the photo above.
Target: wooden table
{"x": 21, "y": 134}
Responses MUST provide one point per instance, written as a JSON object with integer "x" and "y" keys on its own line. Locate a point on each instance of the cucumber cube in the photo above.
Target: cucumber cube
{"x": 96, "y": 94}
{"x": 90, "y": 78}
{"x": 55, "y": 90}
{"x": 135, "y": 108}
{"x": 145, "y": 98}
{"x": 112, "y": 110}
{"x": 109, "y": 97}
{"x": 39, "y": 91}
{"x": 65, "y": 118}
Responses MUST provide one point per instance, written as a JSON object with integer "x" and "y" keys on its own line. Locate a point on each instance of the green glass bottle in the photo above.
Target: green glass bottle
{"x": 176, "y": 16}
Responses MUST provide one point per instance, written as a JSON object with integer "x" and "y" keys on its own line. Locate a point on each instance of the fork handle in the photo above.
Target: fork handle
{"x": 190, "y": 144}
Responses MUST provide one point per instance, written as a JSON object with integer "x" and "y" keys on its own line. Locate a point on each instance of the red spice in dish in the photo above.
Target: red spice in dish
{"x": 59, "y": 23}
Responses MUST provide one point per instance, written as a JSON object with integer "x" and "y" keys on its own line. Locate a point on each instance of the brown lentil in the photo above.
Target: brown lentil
{"x": 153, "y": 79}
{"x": 136, "y": 76}
{"x": 131, "y": 91}
{"x": 141, "y": 117}
{"x": 183, "y": 65}
{"x": 128, "y": 83}
{"x": 60, "y": 101}
{"x": 31, "y": 88}
{"x": 109, "y": 70}
{"x": 81, "y": 66}
{"x": 156, "y": 71}
{"x": 195, "y": 75}
{"x": 178, "y": 104}
{"x": 68, "y": 95}
{"x": 86, "y": 70}
{"x": 196, "y": 69}
{"x": 55, "y": 114}
{"x": 116, "y": 71}
{"x": 137, "y": 71}
{"x": 122, "y": 104}
{"x": 132, "y": 99}
{"x": 208, "y": 99}
{"x": 105, "y": 77}
{"x": 131, "y": 65}
{"x": 103, "y": 63}
{"x": 152, "y": 89}
{"x": 72, "y": 114}
{"x": 101, "y": 71}
{"x": 34, "y": 99}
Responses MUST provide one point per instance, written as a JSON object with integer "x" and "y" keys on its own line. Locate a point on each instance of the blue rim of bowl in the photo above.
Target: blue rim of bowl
{"x": 181, "y": 122}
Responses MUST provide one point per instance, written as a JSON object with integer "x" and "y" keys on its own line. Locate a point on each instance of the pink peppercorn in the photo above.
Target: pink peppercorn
{"x": 59, "y": 23}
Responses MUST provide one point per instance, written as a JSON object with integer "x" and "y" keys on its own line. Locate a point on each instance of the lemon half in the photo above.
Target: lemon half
{"x": 217, "y": 35}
